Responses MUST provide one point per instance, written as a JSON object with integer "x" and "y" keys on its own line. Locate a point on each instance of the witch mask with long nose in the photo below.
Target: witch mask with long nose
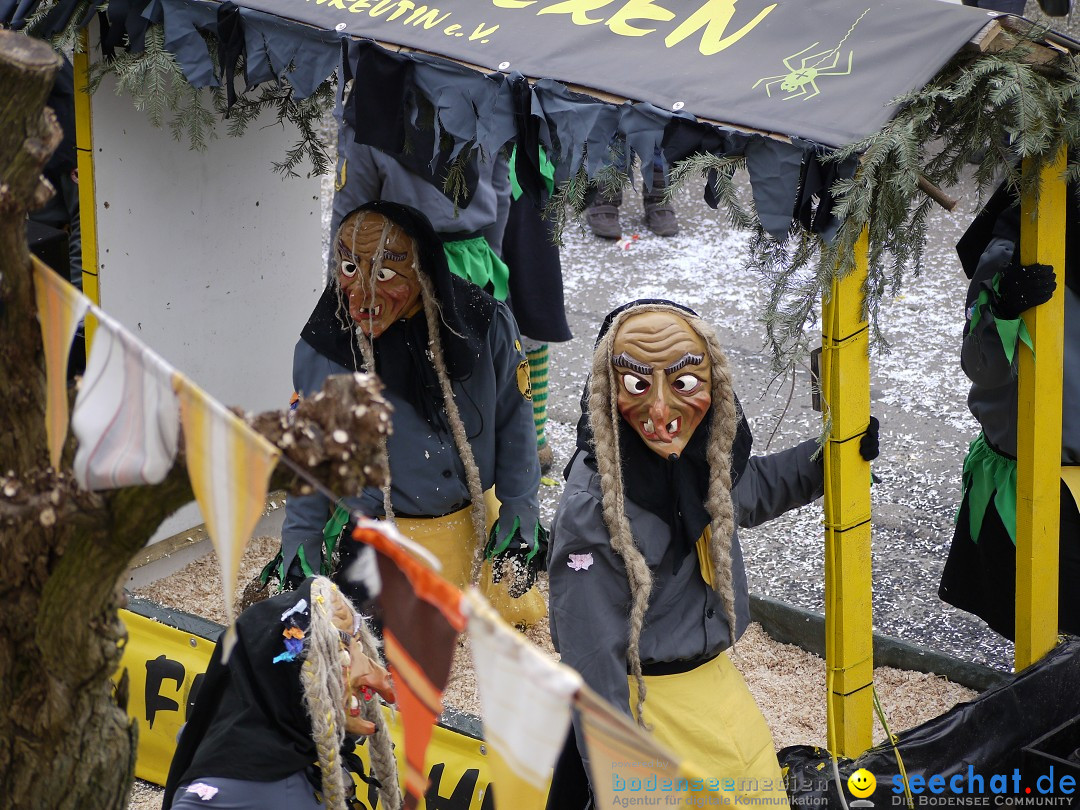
{"x": 664, "y": 379}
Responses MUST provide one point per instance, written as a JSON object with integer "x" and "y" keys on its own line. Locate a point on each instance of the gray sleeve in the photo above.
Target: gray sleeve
{"x": 517, "y": 468}
{"x": 589, "y": 601}
{"x": 774, "y": 484}
{"x": 982, "y": 356}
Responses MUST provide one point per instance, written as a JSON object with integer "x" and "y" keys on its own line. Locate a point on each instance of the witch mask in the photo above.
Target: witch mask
{"x": 664, "y": 379}
{"x": 376, "y": 271}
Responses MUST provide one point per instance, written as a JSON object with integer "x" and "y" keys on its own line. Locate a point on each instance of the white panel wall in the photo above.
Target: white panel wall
{"x": 211, "y": 258}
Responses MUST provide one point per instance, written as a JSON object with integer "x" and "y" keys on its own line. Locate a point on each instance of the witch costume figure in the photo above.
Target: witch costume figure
{"x": 275, "y": 726}
{"x": 464, "y": 472}
{"x": 647, "y": 585}
{"x": 980, "y": 572}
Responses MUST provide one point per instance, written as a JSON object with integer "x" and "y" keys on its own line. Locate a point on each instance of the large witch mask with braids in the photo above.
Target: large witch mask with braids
{"x": 662, "y": 423}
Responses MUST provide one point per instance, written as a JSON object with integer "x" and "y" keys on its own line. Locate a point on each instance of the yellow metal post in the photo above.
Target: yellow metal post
{"x": 84, "y": 145}
{"x": 1038, "y": 428}
{"x": 845, "y": 383}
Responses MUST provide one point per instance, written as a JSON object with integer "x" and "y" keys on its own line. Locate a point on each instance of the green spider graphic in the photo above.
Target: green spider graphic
{"x": 801, "y": 80}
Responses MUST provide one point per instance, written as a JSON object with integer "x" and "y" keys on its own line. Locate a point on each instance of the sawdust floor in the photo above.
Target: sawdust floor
{"x": 787, "y": 682}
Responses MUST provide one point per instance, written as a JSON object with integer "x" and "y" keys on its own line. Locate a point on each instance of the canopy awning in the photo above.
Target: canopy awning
{"x": 825, "y": 70}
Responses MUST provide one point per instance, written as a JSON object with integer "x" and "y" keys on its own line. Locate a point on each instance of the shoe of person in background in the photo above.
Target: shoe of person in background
{"x": 547, "y": 458}
{"x": 660, "y": 215}
{"x": 602, "y": 215}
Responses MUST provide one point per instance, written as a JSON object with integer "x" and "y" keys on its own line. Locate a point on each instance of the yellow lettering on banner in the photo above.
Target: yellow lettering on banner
{"x": 359, "y": 5}
{"x": 453, "y": 31}
{"x": 381, "y": 7}
{"x": 619, "y": 22}
{"x": 427, "y": 18}
{"x": 337, "y": 4}
{"x": 403, "y": 6}
{"x": 512, "y": 3}
{"x": 714, "y": 16}
{"x": 577, "y": 9}
{"x": 480, "y": 32}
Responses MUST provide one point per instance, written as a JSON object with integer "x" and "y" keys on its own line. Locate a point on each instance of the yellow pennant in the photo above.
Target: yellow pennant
{"x": 60, "y": 308}
{"x": 229, "y": 465}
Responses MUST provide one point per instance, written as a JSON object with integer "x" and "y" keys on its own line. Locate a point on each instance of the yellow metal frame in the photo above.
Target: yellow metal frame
{"x": 84, "y": 145}
{"x": 1038, "y": 436}
{"x": 845, "y": 389}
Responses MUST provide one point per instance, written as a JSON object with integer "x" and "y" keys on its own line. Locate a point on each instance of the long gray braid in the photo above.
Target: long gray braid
{"x": 604, "y": 420}
{"x": 457, "y": 427}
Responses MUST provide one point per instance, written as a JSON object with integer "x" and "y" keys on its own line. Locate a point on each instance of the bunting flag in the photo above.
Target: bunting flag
{"x": 625, "y": 763}
{"x": 60, "y": 308}
{"x": 229, "y": 465}
{"x": 126, "y": 416}
{"x": 422, "y": 619}
{"x": 525, "y": 697}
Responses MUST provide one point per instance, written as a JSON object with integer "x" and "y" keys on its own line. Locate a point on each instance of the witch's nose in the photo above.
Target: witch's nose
{"x": 660, "y": 414}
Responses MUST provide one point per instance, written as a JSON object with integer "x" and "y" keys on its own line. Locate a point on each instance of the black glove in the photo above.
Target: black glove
{"x": 518, "y": 557}
{"x": 868, "y": 444}
{"x": 1023, "y": 287}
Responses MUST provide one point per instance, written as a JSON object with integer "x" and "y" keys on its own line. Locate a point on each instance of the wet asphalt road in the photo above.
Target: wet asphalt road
{"x": 918, "y": 391}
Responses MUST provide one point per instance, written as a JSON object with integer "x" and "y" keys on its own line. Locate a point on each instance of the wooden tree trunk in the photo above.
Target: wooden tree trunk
{"x": 65, "y": 738}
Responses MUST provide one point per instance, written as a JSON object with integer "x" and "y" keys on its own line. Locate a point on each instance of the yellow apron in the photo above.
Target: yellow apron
{"x": 709, "y": 717}
{"x": 451, "y": 539}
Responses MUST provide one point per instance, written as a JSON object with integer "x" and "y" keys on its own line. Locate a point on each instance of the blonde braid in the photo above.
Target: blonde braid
{"x": 383, "y": 763}
{"x": 324, "y": 691}
{"x": 457, "y": 427}
{"x": 604, "y": 420}
{"x": 718, "y": 503}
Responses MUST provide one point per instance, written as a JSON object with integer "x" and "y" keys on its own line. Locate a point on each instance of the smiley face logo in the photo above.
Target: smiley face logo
{"x": 861, "y": 783}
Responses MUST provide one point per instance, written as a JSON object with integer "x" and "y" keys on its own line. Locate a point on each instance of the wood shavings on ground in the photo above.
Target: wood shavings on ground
{"x": 196, "y": 588}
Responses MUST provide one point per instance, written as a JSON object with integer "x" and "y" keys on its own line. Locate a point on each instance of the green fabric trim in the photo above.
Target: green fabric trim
{"x": 497, "y": 544}
{"x": 475, "y": 261}
{"x": 1011, "y": 331}
{"x": 539, "y": 533}
{"x": 987, "y": 475}
{"x": 300, "y": 555}
{"x": 547, "y": 171}
{"x": 332, "y": 529}
{"x": 276, "y": 567}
